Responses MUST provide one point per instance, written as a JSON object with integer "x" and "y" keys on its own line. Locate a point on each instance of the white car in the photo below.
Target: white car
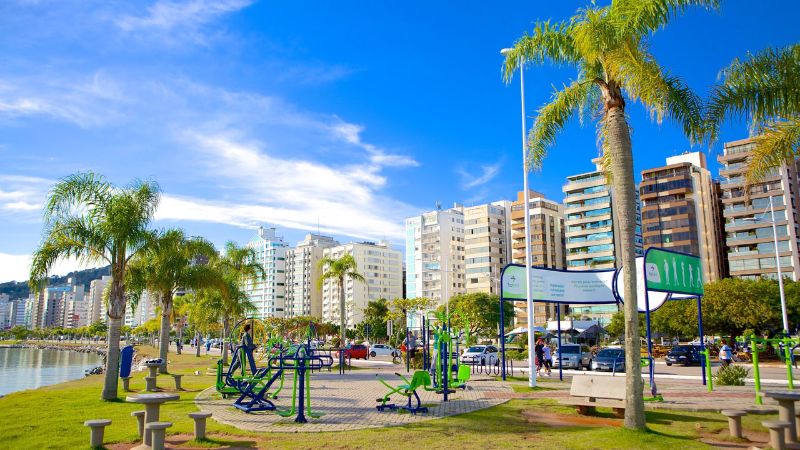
{"x": 480, "y": 355}
{"x": 383, "y": 350}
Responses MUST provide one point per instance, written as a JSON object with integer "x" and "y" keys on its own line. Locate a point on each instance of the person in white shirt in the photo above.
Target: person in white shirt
{"x": 548, "y": 360}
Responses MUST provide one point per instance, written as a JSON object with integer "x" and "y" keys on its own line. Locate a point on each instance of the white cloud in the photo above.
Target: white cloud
{"x": 17, "y": 267}
{"x": 488, "y": 172}
{"x": 351, "y": 133}
{"x": 22, "y": 196}
{"x": 168, "y": 15}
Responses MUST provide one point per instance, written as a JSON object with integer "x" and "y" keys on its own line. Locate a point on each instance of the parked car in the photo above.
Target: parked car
{"x": 683, "y": 354}
{"x": 480, "y": 354}
{"x": 609, "y": 359}
{"x": 574, "y": 356}
{"x": 383, "y": 350}
{"x": 355, "y": 351}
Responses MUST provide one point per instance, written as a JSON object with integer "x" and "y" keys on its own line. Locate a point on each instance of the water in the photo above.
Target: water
{"x": 30, "y": 368}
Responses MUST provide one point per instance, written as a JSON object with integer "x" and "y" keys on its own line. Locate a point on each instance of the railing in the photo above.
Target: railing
{"x": 478, "y": 366}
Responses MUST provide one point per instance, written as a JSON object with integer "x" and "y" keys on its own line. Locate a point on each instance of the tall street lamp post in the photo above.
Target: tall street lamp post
{"x": 527, "y": 220}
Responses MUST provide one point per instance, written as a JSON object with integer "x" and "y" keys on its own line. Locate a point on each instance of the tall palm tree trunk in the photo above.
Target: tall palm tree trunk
{"x": 197, "y": 344}
{"x": 624, "y": 203}
{"x": 342, "y": 314}
{"x": 116, "y": 314}
{"x": 179, "y": 340}
{"x": 224, "y": 343}
{"x": 163, "y": 337}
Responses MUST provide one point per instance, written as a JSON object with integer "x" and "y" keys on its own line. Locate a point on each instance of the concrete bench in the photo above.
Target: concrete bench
{"x": 199, "y": 424}
{"x": 590, "y": 391}
{"x": 150, "y": 384}
{"x": 776, "y": 433}
{"x": 158, "y": 434}
{"x": 98, "y": 428}
{"x": 177, "y": 381}
{"x": 734, "y": 421}
{"x": 126, "y": 383}
{"x": 140, "y": 421}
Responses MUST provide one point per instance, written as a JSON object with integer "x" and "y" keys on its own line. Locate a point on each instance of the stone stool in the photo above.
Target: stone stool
{"x": 150, "y": 383}
{"x": 177, "y": 381}
{"x": 158, "y": 434}
{"x": 776, "y": 433}
{"x": 797, "y": 422}
{"x": 98, "y": 427}
{"x": 199, "y": 424}
{"x": 734, "y": 421}
{"x": 140, "y": 419}
{"x": 126, "y": 383}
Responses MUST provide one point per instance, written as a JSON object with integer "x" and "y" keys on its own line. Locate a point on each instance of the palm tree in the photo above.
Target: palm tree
{"x": 765, "y": 89}
{"x": 608, "y": 47}
{"x": 89, "y": 219}
{"x": 237, "y": 268}
{"x": 337, "y": 270}
{"x": 167, "y": 266}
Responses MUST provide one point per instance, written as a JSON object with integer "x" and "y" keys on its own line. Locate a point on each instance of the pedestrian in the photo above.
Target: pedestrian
{"x": 208, "y": 344}
{"x": 539, "y": 350}
{"x": 725, "y": 354}
{"x": 548, "y": 360}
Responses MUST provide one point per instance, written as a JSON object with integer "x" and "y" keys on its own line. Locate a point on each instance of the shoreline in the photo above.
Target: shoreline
{"x": 85, "y": 348}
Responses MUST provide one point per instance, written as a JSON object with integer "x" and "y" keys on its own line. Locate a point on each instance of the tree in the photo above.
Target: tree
{"x": 202, "y": 315}
{"x": 337, "y": 270}
{"x": 481, "y": 311}
{"x": 765, "y": 90}
{"x": 375, "y": 315}
{"x": 608, "y": 47}
{"x": 89, "y": 219}
{"x": 234, "y": 270}
{"x": 164, "y": 268}
{"x": 732, "y": 305}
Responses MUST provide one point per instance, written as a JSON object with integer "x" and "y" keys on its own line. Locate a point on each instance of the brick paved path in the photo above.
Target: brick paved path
{"x": 349, "y": 403}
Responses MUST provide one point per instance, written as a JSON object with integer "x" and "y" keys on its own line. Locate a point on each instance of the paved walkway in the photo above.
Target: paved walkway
{"x": 349, "y": 403}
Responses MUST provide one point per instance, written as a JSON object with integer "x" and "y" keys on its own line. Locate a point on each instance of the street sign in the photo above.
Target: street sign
{"x": 668, "y": 271}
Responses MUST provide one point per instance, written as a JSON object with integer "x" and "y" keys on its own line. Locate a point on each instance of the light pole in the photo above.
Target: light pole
{"x": 777, "y": 264}
{"x": 527, "y": 221}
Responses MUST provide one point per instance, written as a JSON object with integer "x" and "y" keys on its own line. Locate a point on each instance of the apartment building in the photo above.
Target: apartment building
{"x": 681, "y": 211}
{"x": 382, "y": 269}
{"x": 269, "y": 294}
{"x": 303, "y": 293}
{"x": 590, "y": 232}
{"x": 487, "y": 245}
{"x": 748, "y": 222}
{"x": 546, "y": 243}
{"x": 97, "y": 307}
{"x": 435, "y": 253}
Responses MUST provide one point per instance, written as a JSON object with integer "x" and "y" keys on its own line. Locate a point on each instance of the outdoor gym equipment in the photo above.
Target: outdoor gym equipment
{"x": 786, "y": 344}
{"x": 420, "y": 379}
{"x": 443, "y": 341}
{"x": 302, "y": 360}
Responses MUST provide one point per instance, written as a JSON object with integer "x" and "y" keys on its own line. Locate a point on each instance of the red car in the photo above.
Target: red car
{"x": 355, "y": 351}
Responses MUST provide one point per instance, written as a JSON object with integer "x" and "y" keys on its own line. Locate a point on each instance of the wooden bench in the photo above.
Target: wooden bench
{"x": 590, "y": 391}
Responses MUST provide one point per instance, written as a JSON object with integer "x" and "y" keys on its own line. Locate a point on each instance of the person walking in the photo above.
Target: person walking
{"x": 539, "y": 350}
{"x": 548, "y": 360}
{"x": 725, "y": 354}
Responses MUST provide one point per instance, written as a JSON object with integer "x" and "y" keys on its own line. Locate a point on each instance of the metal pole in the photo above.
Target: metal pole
{"x": 527, "y": 221}
{"x": 700, "y": 330}
{"x": 653, "y": 389}
{"x": 560, "y": 361}
{"x": 502, "y": 337}
{"x": 778, "y": 266}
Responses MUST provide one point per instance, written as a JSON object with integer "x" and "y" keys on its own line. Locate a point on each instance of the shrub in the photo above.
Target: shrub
{"x": 731, "y": 375}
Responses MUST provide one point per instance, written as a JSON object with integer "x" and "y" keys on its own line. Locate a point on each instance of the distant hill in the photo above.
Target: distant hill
{"x": 17, "y": 289}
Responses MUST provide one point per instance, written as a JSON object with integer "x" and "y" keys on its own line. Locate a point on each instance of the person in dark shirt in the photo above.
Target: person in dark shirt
{"x": 539, "y": 350}
{"x": 248, "y": 346}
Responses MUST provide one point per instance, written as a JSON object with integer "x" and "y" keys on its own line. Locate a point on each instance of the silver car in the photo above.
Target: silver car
{"x": 574, "y": 356}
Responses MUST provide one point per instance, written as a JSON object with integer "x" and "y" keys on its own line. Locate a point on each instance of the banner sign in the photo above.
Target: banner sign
{"x": 668, "y": 271}
{"x": 550, "y": 285}
{"x": 655, "y": 298}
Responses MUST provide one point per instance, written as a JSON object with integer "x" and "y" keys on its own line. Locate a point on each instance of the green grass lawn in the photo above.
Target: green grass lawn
{"x": 52, "y": 418}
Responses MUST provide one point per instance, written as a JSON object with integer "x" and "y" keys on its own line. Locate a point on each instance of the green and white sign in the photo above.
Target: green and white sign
{"x": 673, "y": 272}
{"x": 559, "y": 286}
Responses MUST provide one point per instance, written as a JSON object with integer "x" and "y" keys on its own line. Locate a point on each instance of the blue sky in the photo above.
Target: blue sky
{"x": 347, "y": 116}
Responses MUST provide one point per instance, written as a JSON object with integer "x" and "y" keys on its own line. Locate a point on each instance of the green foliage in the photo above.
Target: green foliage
{"x": 375, "y": 315}
{"x": 19, "y": 332}
{"x": 480, "y": 311}
{"x": 731, "y": 375}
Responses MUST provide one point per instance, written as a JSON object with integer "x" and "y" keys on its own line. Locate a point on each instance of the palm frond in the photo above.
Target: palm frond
{"x": 552, "y": 117}
{"x": 81, "y": 190}
{"x": 641, "y": 17}
{"x": 761, "y": 88}
{"x": 778, "y": 144}
{"x": 547, "y": 42}
{"x": 661, "y": 93}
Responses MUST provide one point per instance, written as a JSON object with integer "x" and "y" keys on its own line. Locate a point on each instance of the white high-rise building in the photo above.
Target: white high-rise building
{"x": 435, "y": 254}
{"x": 269, "y": 295}
{"x": 303, "y": 293}
{"x": 487, "y": 244}
{"x": 97, "y": 307}
{"x": 382, "y": 268}
{"x": 6, "y": 312}
{"x": 144, "y": 310}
